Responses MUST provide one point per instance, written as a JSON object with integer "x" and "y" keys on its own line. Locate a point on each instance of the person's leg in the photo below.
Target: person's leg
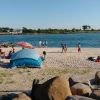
{"x": 44, "y": 57}
{"x": 79, "y": 49}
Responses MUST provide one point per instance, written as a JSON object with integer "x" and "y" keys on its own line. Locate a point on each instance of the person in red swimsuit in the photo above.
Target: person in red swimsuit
{"x": 79, "y": 47}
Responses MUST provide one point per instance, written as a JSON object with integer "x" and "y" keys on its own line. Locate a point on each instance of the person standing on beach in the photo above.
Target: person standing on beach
{"x": 62, "y": 46}
{"x": 40, "y": 44}
{"x": 65, "y": 48}
{"x": 79, "y": 47}
{"x": 46, "y": 43}
{"x": 43, "y": 43}
{"x": 44, "y": 54}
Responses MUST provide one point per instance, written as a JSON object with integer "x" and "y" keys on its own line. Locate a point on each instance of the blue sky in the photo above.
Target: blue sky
{"x": 49, "y": 13}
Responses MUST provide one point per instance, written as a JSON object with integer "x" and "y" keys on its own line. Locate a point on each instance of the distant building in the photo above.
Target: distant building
{"x": 15, "y": 31}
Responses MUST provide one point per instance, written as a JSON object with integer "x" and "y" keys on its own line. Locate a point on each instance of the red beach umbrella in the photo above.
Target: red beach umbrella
{"x": 25, "y": 44}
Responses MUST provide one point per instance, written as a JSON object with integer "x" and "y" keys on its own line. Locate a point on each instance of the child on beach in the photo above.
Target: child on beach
{"x": 44, "y": 55}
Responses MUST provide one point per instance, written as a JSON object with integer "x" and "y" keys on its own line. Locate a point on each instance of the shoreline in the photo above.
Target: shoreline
{"x": 6, "y": 33}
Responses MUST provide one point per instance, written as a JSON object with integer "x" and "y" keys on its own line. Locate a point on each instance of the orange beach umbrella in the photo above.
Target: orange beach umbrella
{"x": 25, "y": 44}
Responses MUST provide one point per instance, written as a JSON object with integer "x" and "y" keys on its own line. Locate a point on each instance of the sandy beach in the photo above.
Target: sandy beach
{"x": 70, "y": 63}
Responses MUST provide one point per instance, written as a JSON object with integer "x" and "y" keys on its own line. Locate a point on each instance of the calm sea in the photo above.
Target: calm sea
{"x": 55, "y": 40}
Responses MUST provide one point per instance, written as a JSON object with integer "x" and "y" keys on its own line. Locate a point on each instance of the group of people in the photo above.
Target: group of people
{"x": 43, "y": 43}
{"x": 3, "y": 55}
{"x": 64, "y": 47}
{"x": 11, "y": 52}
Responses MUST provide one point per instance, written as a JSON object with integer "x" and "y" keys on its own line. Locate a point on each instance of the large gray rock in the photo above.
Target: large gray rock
{"x": 81, "y": 89}
{"x": 56, "y": 88}
{"x": 97, "y": 77}
{"x": 78, "y": 98}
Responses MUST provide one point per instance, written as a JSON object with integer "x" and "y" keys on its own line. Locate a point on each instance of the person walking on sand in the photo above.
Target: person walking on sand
{"x": 62, "y": 46}
{"x": 65, "y": 48}
{"x": 79, "y": 47}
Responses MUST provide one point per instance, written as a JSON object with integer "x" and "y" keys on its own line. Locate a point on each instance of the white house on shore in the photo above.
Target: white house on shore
{"x": 15, "y": 31}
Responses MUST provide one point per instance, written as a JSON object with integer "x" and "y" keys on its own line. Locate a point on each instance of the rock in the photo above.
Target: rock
{"x": 56, "y": 88}
{"x": 72, "y": 81}
{"x": 92, "y": 81}
{"x": 97, "y": 77}
{"x": 88, "y": 82}
{"x": 78, "y": 98}
{"x": 7, "y": 96}
{"x": 21, "y": 96}
{"x": 96, "y": 94}
{"x": 81, "y": 89}
{"x": 35, "y": 86}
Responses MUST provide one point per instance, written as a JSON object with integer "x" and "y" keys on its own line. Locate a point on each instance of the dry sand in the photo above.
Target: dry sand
{"x": 71, "y": 63}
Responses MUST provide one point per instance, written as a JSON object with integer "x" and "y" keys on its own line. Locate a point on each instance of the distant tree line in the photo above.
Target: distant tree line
{"x": 85, "y": 28}
{"x": 6, "y": 29}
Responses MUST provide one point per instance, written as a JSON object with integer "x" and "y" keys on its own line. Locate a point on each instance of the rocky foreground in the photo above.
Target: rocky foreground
{"x": 61, "y": 88}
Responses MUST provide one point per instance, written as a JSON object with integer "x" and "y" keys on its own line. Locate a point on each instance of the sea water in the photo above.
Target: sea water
{"x": 55, "y": 40}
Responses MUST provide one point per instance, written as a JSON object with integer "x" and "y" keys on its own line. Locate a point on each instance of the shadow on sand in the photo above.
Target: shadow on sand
{"x": 4, "y": 65}
{"x": 10, "y": 95}
{"x": 55, "y": 52}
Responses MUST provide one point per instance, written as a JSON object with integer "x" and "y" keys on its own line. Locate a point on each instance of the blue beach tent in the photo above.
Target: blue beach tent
{"x": 25, "y": 57}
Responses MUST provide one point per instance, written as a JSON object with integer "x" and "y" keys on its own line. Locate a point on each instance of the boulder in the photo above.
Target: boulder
{"x": 35, "y": 87}
{"x": 7, "y": 96}
{"x": 78, "y": 98}
{"x": 88, "y": 82}
{"x": 72, "y": 81}
{"x": 96, "y": 94}
{"x": 81, "y": 89}
{"x": 56, "y": 88}
{"x": 97, "y": 77}
{"x": 21, "y": 96}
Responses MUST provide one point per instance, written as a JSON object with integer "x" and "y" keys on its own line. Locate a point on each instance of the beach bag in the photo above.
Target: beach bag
{"x": 91, "y": 58}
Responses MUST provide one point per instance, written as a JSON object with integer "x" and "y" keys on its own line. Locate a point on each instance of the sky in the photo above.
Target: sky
{"x": 49, "y": 13}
